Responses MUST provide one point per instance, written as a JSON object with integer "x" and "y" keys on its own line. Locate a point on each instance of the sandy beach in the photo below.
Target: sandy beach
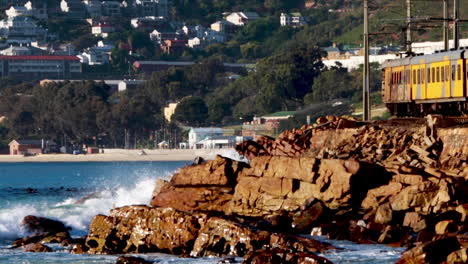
{"x": 122, "y": 155}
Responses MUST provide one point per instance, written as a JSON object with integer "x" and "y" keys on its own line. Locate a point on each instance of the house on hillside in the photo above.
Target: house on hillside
{"x": 294, "y": 19}
{"x": 31, "y": 146}
{"x": 242, "y": 18}
{"x": 176, "y": 46}
{"x": 73, "y": 8}
{"x": 102, "y": 30}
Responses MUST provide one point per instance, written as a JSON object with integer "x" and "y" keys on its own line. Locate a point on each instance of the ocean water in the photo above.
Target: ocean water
{"x": 75, "y": 192}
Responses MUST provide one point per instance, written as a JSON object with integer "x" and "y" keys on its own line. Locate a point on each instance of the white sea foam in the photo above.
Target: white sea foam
{"x": 10, "y": 220}
{"x": 73, "y": 214}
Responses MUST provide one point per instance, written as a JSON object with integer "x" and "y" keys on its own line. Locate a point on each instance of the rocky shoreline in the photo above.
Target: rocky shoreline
{"x": 399, "y": 185}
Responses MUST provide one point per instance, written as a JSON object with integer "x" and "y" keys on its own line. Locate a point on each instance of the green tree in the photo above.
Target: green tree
{"x": 191, "y": 111}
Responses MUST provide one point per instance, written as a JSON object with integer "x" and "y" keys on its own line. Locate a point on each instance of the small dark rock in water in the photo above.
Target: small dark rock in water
{"x": 198, "y": 161}
{"x": 38, "y": 224}
{"x": 227, "y": 260}
{"x": 38, "y": 247}
{"x": 132, "y": 260}
{"x": 31, "y": 190}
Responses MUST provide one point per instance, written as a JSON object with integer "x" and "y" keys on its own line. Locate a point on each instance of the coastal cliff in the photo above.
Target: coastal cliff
{"x": 368, "y": 183}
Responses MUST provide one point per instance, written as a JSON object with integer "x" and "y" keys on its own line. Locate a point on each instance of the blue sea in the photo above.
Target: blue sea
{"x": 75, "y": 192}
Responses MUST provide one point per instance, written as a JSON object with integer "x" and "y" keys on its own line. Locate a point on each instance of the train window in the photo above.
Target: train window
{"x": 419, "y": 76}
{"x": 414, "y": 76}
{"x": 442, "y": 72}
{"x": 453, "y": 72}
{"x": 437, "y": 74}
{"x": 408, "y": 74}
{"x": 428, "y": 75}
{"x": 459, "y": 72}
{"x": 433, "y": 74}
{"x": 447, "y": 74}
{"x": 423, "y": 78}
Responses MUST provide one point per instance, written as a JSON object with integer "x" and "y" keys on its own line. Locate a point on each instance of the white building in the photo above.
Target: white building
{"x": 38, "y": 11}
{"x": 194, "y": 42}
{"x": 74, "y": 8}
{"x": 152, "y": 8}
{"x": 292, "y": 19}
{"x": 125, "y": 85}
{"x": 198, "y": 134}
{"x": 242, "y": 18}
{"x": 142, "y": 22}
{"x": 353, "y": 62}
{"x": 102, "y": 30}
{"x": 21, "y": 51}
{"x": 431, "y": 47}
{"x": 94, "y": 57}
{"x": 21, "y": 29}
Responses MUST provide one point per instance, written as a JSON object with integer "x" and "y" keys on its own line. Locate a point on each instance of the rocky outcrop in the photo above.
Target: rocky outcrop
{"x": 402, "y": 185}
{"x": 205, "y": 187}
{"x": 141, "y": 229}
{"x": 276, "y": 184}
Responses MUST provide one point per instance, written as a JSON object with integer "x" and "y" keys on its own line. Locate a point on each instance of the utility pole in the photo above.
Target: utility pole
{"x": 456, "y": 9}
{"x": 409, "y": 37}
{"x": 446, "y": 26}
{"x": 366, "y": 73}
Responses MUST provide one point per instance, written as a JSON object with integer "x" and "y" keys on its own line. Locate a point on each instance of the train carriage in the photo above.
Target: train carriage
{"x": 424, "y": 84}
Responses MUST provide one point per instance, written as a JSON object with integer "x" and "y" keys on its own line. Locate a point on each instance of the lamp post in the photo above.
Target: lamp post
{"x": 366, "y": 73}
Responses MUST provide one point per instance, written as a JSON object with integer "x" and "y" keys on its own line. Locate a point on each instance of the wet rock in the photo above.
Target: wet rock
{"x": 36, "y": 224}
{"x": 142, "y": 229}
{"x": 431, "y": 252}
{"x": 27, "y": 240}
{"x": 132, "y": 260}
{"x": 38, "y": 248}
{"x": 221, "y": 237}
{"x": 281, "y": 256}
{"x": 56, "y": 238}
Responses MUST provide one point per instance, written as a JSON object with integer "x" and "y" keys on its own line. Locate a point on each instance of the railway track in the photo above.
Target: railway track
{"x": 414, "y": 122}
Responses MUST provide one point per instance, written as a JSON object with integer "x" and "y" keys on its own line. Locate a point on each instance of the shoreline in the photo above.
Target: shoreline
{"x": 121, "y": 155}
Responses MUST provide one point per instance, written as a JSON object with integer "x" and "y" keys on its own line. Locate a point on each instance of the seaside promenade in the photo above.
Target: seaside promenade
{"x": 124, "y": 155}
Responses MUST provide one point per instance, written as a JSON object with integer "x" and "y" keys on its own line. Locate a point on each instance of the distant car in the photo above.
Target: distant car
{"x": 78, "y": 152}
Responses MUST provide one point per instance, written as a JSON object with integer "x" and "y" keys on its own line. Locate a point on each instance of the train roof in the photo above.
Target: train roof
{"x": 429, "y": 58}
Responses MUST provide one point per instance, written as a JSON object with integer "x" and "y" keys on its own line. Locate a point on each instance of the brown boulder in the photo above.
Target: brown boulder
{"x": 221, "y": 237}
{"x": 140, "y": 229}
{"x": 38, "y": 248}
{"x": 193, "y": 199}
{"x": 218, "y": 172}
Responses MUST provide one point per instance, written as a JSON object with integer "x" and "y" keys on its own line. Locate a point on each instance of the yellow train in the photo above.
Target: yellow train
{"x": 425, "y": 84}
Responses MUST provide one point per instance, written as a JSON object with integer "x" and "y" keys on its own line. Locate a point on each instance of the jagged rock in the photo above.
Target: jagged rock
{"x": 36, "y": 224}
{"x": 274, "y": 184}
{"x": 431, "y": 252}
{"x": 56, "y": 238}
{"x": 281, "y": 256}
{"x": 384, "y": 214}
{"x": 380, "y": 194}
{"x": 132, "y": 260}
{"x": 204, "y": 187}
{"x": 221, "y": 237}
{"x": 141, "y": 229}
{"x": 38, "y": 247}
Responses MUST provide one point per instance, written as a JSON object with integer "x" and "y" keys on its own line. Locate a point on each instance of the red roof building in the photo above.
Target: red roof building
{"x": 32, "y": 67}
